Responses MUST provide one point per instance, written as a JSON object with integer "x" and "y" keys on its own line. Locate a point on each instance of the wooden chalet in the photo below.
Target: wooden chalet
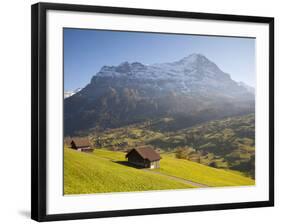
{"x": 144, "y": 157}
{"x": 81, "y": 144}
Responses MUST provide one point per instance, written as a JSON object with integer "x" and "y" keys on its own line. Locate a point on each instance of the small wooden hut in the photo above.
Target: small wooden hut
{"x": 144, "y": 157}
{"x": 81, "y": 144}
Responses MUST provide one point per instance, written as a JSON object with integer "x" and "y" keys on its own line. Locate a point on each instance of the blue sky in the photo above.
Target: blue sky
{"x": 86, "y": 51}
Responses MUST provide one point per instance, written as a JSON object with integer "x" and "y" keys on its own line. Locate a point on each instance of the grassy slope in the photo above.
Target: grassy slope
{"x": 226, "y": 143}
{"x": 97, "y": 172}
{"x": 202, "y": 174}
{"x": 94, "y": 173}
{"x": 189, "y": 170}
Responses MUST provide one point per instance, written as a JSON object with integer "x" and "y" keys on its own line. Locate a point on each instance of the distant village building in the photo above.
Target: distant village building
{"x": 144, "y": 157}
{"x": 81, "y": 144}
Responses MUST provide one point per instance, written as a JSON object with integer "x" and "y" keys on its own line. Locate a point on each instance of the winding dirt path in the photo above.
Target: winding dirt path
{"x": 177, "y": 179}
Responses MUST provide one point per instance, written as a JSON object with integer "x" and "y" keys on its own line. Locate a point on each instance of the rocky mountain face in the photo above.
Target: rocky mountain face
{"x": 70, "y": 93}
{"x": 190, "y": 90}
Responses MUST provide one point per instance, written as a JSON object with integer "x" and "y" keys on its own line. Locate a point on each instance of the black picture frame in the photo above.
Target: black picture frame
{"x": 39, "y": 122}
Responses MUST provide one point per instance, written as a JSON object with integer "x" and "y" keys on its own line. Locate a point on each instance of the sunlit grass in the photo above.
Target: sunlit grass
{"x": 86, "y": 173}
{"x": 202, "y": 174}
{"x": 99, "y": 172}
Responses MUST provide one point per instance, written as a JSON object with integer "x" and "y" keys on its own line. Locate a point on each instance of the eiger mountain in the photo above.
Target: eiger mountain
{"x": 190, "y": 91}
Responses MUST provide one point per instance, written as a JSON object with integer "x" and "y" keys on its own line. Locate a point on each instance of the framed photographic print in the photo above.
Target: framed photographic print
{"x": 139, "y": 111}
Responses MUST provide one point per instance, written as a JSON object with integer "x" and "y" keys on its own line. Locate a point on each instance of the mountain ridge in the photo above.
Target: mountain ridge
{"x": 193, "y": 88}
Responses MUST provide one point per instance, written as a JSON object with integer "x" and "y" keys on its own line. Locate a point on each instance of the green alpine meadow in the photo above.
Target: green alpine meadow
{"x": 106, "y": 169}
{"x": 103, "y": 172}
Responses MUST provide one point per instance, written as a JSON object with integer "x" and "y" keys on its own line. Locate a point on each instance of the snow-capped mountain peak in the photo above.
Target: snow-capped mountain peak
{"x": 70, "y": 93}
{"x": 192, "y": 73}
{"x": 181, "y": 70}
{"x": 194, "y": 58}
{"x": 192, "y": 86}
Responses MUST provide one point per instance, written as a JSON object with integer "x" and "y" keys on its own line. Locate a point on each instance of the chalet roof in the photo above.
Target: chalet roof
{"x": 81, "y": 142}
{"x": 146, "y": 153}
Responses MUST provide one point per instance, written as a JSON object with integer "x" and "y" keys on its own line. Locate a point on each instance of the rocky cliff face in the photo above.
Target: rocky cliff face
{"x": 190, "y": 90}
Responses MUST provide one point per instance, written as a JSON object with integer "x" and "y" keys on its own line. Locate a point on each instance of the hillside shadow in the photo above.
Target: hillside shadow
{"x": 126, "y": 163}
